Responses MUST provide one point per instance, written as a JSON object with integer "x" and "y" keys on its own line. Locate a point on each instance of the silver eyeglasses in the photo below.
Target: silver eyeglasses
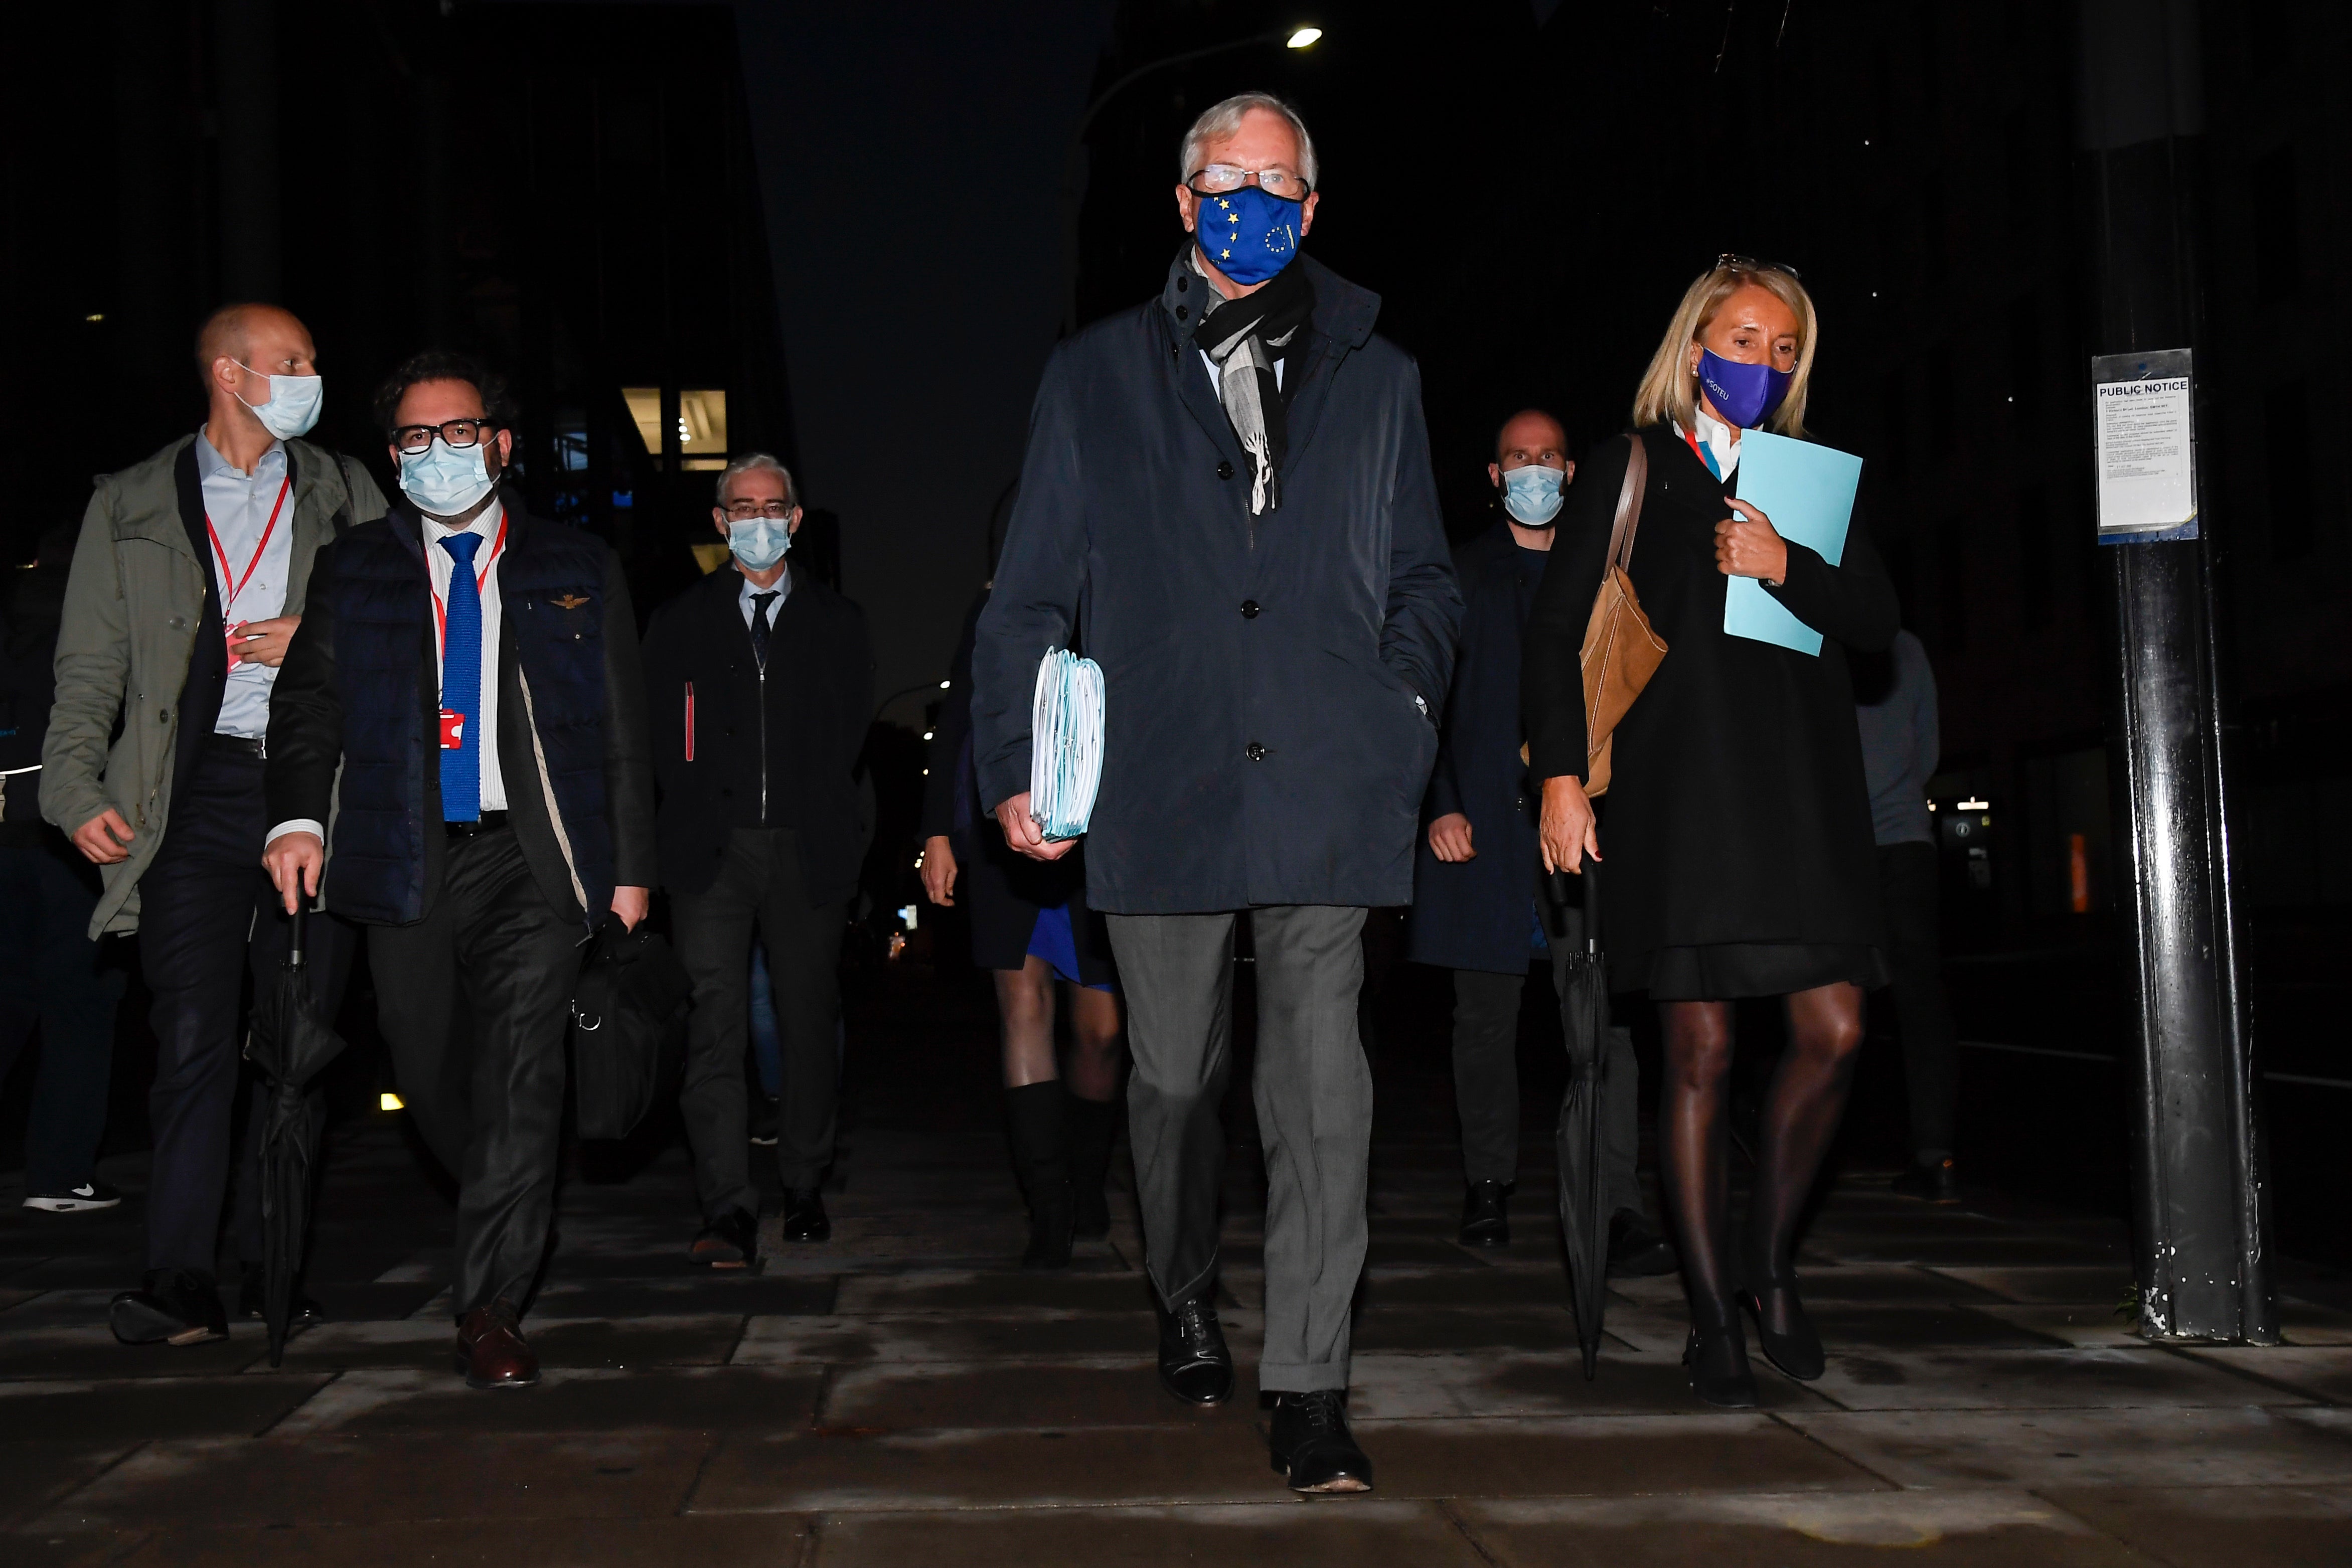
{"x": 1217, "y": 179}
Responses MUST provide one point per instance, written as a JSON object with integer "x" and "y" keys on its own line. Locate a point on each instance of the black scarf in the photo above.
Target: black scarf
{"x": 1242, "y": 338}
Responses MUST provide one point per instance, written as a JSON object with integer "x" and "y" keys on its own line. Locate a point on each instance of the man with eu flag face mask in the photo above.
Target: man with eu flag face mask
{"x": 463, "y": 704}
{"x": 759, "y": 681}
{"x": 1479, "y": 905}
{"x": 1227, "y": 499}
{"x": 192, "y": 573}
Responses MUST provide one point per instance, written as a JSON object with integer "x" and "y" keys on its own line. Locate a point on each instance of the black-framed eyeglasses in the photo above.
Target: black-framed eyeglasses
{"x": 745, "y": 510}
{"x": 1732, "y": 259}
{"x": 457, "y": 433}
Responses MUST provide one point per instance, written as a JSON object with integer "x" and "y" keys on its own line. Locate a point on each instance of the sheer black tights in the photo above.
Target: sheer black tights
{"x": 1801, "y": 1110}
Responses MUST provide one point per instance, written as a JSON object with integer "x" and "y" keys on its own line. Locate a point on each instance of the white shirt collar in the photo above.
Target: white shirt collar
{"x": 210, "y": 464}
{"x": 485, "y": 524}
{"x": 1721, "y": 439}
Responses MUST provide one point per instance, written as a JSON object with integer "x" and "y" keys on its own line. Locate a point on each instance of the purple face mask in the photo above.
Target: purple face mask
{"x": 1744, "y": 393}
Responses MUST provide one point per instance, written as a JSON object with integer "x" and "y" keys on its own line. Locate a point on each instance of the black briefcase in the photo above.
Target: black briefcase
{"x": 628, "y": 1028}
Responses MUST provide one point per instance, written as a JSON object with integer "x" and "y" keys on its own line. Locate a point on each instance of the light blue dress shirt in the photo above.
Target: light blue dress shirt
{"x": 238, "y": 506}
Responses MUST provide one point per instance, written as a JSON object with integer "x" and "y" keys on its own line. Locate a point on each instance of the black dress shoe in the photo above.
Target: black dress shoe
{"x": 1637, "y": 1252}
{"x": 1194, "y": 1364}
{"x": 804, "y": 1215}
{"x": 171, "y": 1306}
{"x": 1485, "y": 1220}
{"x": 1784, "y": 1329}
{"x": 1930, "y": 1181}
{"x": 1311, "y": 1445}
{"x": 729, "y": 1241}
{"x": 253, "y": 1286}
{"x": 1718, "y": 1360}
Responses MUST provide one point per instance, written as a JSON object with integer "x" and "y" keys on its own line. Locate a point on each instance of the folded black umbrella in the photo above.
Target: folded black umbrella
{"x": 628, "y": 1027}
{"x": 1584, "y": 1021}
{"x": 290, "y": 1042}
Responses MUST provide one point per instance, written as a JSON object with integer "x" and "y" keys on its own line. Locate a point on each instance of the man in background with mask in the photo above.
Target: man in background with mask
{"x": 1480, "y": 906}
{"x": 463, "y": 704}
{"x": 761, "y": 681}
{"x": 190, "y": 576}
{"x": 1227, "y": 500}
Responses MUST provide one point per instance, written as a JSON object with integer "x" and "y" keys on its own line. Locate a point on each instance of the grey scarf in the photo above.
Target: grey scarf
{"x": 1242, "y": 338}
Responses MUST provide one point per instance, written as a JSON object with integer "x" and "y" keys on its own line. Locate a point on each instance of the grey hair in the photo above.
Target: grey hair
{"x": 750, "y": 461}
{"x": 1222, "y": 119}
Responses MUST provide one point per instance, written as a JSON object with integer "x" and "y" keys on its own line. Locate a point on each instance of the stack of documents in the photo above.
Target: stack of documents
{"x": 1065, "y": 728}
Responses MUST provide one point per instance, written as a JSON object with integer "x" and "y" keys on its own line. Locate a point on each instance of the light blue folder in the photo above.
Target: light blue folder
{"x": 1807, "y": 492}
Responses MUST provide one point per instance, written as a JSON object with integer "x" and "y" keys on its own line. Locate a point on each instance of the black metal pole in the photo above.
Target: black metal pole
{"x": 2199, "y": 1207}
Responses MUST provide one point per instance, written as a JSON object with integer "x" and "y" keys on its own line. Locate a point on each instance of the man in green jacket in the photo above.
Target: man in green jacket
{"x": 188, "y": 583}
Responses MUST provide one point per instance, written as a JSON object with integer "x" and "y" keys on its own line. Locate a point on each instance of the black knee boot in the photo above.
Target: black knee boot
{"x": 1041, "y": 1156}
{"x": 1092, "y": 1124}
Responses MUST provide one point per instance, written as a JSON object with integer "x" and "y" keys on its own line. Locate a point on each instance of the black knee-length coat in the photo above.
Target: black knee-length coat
{"x": 1737, "y": 817}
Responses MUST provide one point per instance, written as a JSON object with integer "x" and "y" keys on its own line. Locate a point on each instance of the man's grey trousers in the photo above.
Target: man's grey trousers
{"x": 1314, "y": 1098}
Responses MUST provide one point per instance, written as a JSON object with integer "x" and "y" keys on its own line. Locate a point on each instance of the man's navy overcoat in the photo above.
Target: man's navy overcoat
{"x": 1273, "y": 681}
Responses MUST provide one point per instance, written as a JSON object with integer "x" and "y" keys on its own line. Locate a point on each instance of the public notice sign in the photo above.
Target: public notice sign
{"x": 2147, "y": 443}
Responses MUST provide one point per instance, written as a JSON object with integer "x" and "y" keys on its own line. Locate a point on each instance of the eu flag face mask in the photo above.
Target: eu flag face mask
{"x": 443, "y": 480}
{"x": 293, "y": 405}
{"x": 759, "y": 543}
{"x": 1532, "y": 494}
{"x": 1249, "y": 234}
{"x": 1746, "y": 395}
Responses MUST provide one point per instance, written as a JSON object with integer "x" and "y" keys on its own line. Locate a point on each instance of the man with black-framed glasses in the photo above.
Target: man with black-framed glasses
{"x": 463, "y": 704}
{"x": 759, "y": 681}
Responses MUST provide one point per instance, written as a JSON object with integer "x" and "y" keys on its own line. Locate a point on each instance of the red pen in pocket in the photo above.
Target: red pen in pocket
{"x": 689, "y": 720}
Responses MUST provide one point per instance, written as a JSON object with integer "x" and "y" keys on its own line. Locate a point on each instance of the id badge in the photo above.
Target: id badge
{"x": 453, "y": 729}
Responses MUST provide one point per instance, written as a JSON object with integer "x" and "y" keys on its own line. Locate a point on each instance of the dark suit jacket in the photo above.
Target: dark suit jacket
{"x": 813, "y": 709}
{"x": 306, "y": 730}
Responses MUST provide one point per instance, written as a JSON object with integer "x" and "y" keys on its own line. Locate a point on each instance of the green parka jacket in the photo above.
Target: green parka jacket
{"x": 133, "y": 605}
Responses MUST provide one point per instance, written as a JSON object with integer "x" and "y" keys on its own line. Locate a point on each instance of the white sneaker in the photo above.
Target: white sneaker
{"x": 90, "y": 1194}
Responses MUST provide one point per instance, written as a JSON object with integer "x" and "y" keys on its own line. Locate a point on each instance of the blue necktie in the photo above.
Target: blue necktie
{"x": 461, "y": 683}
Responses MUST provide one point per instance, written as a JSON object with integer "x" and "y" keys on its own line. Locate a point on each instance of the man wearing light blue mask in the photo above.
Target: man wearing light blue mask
{"x": 1479, "y": 906}
{"x": 188, "y": 583}
{"x": 760, "y": 682}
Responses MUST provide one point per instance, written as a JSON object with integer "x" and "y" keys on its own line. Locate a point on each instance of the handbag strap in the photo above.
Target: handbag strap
{"x": 1628, "y": 503}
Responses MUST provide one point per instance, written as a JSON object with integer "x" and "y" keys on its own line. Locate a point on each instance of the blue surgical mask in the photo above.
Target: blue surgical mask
{"x": 759, "y": 543}
{"x": 1531, "y": 494}
{"x": 293, "y": 405}
{"x": 1249, "y": 234}
{"x": 1745, "y": 394}
{"x": 443, "y": 480}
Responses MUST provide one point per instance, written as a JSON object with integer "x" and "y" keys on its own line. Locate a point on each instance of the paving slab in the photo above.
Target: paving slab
{"x": 1326, "y": 1533}
{"x": 329, "y": 1478}
{"x": 2244, "y": 1527}
{"x": 1473, "y": 1384}
{"x": 2097, "y": 1377}
{"x": 128, "y": 1410}
{"x": 710, "y": 1399}
{"x": 1992, "y": 1529}
{"x": 749, "y": 1541}
{"x": 90, "y": 1351}
{"x": 955, "y": 1291}
{"x": 2241, "y": 1445}
{"x": 711, "y": 1291}
{"x": 35, "y": 1473}
{"x": 1602, "y": 1456}
{"x": 427, "y": 1344}
{"x": 2094, "y": 1285}
{"x": 1503, "y": 1327}
{"x": 1122, "y": 1392}
{"x": 966, "y": 1337}
{"x": 2313, "y": 1372}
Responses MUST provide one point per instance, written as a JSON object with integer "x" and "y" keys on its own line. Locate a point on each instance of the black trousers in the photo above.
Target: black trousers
{"x": 207, "y": 915}
{"x": 474, "y": 1000}
{"x": 51, "y": 977}
{"x": 1931, "y": 1053}
{"x": 758, "y": 885}
{"x": 1487, "y": 1079}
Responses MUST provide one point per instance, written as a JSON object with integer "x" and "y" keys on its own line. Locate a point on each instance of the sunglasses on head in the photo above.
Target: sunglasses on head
{"x": 1738, "y": 262}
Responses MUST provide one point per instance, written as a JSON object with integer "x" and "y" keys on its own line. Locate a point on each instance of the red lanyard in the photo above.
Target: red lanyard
{"x": 228, "y": 600}
{"x": 441, "y": 607}
{"x": 1704, "y": 461}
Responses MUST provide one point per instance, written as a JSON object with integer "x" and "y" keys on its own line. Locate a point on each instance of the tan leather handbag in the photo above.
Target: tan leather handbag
{"x": 1621, "y": 650}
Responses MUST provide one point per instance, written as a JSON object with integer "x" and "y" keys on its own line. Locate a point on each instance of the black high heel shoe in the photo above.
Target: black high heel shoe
{"x": 1719, "y": 1373}
{"x": 1784, "y": 1330}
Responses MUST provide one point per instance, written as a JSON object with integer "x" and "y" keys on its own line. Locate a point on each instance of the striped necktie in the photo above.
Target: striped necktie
{"x": 461, "y": 683}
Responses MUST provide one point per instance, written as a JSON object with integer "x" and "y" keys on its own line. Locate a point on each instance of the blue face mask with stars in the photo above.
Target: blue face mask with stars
{"x": 1250, "y": 236}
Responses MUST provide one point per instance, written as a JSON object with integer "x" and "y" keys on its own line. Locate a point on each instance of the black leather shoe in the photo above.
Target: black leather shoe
{"x": 1784, "y": 1330}
{"x": 252, "y": 1287}
{"x": 729, "y": 1241}
{"x": 1485, "y": 1221}
{"x": 1719, "y": 1373}
{"x": 1052, "y": 1224}
{"x": 1637, "y": 1252}
{"x": 1311, "y": 1445}
{"x": 171, "y": 1306}
{"x": 1194, "y": 1364}
{"x": 1933, "y": 1182}
{"x": 804, "y": 1215}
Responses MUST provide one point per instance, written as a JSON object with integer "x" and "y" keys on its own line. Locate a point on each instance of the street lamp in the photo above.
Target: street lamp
{"x": 1299, "y": 37}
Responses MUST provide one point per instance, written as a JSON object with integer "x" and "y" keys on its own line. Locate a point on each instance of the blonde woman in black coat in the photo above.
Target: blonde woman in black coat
{"x": 1739, "y": 842}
